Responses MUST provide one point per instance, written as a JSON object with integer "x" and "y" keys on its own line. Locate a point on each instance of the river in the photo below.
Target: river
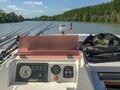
{"x": 78, "y": 27}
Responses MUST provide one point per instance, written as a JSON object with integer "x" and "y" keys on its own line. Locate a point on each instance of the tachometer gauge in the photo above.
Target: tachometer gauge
{"x": 25, "y": 72}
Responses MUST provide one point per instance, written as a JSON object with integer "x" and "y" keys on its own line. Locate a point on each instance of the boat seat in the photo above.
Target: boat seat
{"x": 54, "y": 45}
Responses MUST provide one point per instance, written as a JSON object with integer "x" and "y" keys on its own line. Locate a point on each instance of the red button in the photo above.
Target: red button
{"x": 55, "y": 78}
{"x": 66, "y": 72}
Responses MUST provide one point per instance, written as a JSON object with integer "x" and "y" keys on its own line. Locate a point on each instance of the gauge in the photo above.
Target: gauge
{"x": 25, "y": 72}
{"x": 55, "y": 69}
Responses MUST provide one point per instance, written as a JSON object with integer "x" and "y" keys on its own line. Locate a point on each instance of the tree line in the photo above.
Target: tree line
{"x": 10, "y": 17}
{"x": 106, "y": 12}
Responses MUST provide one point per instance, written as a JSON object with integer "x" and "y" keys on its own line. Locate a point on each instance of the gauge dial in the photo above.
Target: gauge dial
{"x": 56, "y": 69}
{"x": 25, "y": 72}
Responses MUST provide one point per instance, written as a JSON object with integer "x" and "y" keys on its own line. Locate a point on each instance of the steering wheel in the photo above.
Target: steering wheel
{"x": 103, "y": 39}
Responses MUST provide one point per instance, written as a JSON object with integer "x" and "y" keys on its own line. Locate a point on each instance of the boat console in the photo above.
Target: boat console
{"x": 49, "y": 62}
{"x": 63, "y": 62}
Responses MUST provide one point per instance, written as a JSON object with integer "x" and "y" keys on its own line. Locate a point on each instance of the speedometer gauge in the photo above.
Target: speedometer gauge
{"x": 25, "y": 72}
{"x": 56, "y": 69}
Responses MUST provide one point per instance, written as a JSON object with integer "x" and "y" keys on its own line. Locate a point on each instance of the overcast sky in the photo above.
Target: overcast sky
{"x": 35, "y": 8}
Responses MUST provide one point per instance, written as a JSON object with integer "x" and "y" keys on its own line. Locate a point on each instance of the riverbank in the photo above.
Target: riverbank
{"x": 10, "y": 17}
{"x": 103, "y": 13}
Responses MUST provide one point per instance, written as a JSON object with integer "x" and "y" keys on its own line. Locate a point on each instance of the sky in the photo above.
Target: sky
{"x": 36, "y": 8}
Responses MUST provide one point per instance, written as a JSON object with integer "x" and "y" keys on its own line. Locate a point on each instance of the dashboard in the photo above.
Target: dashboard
{"x": 45, "y": 72}
{"x": 32, "y": 72}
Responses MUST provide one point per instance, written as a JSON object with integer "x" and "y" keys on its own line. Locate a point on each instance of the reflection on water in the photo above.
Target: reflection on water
{"x": 78, "y": 27}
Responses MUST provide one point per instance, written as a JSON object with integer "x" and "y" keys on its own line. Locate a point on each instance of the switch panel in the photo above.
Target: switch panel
{"x": 68, "y": 72}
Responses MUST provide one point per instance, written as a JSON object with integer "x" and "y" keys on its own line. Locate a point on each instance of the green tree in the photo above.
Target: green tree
{"x": 105, "y": 12}
{"x": 10, "y": 17}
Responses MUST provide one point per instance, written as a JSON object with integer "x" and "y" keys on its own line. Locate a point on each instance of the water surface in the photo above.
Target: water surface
{"x": 78, "y": 27}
